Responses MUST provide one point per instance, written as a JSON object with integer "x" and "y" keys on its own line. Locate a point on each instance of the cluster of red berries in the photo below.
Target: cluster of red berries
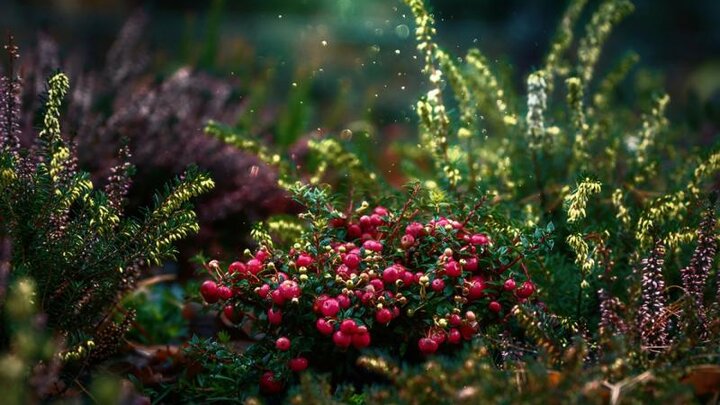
{"x": 363, "y": 275}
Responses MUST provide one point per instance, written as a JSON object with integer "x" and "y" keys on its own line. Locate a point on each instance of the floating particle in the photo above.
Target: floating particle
{"x": 402, "y": 31}
{"x": 324, "y": 42}
{"x": 397, "y": 52}
{"x": 346, "y": 134}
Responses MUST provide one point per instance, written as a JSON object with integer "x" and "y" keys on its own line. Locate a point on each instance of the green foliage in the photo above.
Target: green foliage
{"x": 73, "y": 240}
{"x": 621, "y": 191}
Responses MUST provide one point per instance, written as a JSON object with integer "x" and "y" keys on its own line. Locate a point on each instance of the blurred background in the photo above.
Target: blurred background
{"x": 366, "y": 46}
{"x": 155, "y": 72}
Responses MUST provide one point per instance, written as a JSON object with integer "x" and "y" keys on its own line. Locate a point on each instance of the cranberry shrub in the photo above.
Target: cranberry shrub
{"x": 407, "y": 280}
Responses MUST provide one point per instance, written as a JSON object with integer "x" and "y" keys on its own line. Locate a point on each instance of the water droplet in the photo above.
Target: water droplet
{"x": 397, "y": 52}
{"x": 294, "y": 84}
{"x": 402, "y": 31}
{"x": 346, "y": 134}
{"x": 279, "y": 16}
{"x": 402, "y": 87}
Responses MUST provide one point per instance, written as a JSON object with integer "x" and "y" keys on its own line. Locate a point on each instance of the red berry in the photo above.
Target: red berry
{"x": 437, "y": 285}
{"x": 439, "y": 337}
{"x": 479, "y": 239}
{"x": 282, "y": 344}
{"x": 330, "y": 307}
{"x": 343, "y": 300}
{"x": 407, "y": 241}
{"x": 254, "y": 266}
{"x": 225, "y": 293}
{"x": 454, "y": 336}
{"x": 277, "y": 297}
{"x": 274, "y": 316}
{"x": 495, "y": 306}
{"x": 471, "y": 264}
{"x": 209, "y": 291}
{"x": 317, "y": 305}
{"x": 304, "y": 260}
{"x": 233, "y": 315}
{"x": 408, "y": 278}
{"x": 376, "y": 220}
{"x": 361, "y": 340}
{"x": 298, "y": 364}
{"x": 262, "y": 255}
{"x": 324, "y": 327}
{"x": 268, "y": 383}
{"x": 342, "y": 339}
{"x": 427, "y": 346}
{"x": 415, "y": 229}
{"x": 237, "y": 268}
{"x": 384, "y": 316}
{"x": 365, "y": 222}
{"x": 477, "y": 286}
{"x": 337, "y": 222}
{"x": 390, "y": 275}
{"x": 467, "y": 332}
{"x": 526, "y": 290}
{"x": 289, "y": 289}
{"x": 380, "y": 210}
{"x": 455, "y": 320}
{"x": 509, "y": 285}
{"x": 354, "y": 231}
{"x": 373, "y": 245}
{"x": 377, "y": 284}
{"x": 452, "y": 269}
{"x": 352, "y": 261}
{"x": 348, "y": 326}
{"x": 263, "y": 290}
{"x": 366, "y": 297}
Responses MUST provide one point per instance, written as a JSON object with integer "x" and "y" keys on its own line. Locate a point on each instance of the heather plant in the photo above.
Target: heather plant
{"x": 160, "y": 117}
{"x": 602, "y": 322}
{"x": 74, "y": 241}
